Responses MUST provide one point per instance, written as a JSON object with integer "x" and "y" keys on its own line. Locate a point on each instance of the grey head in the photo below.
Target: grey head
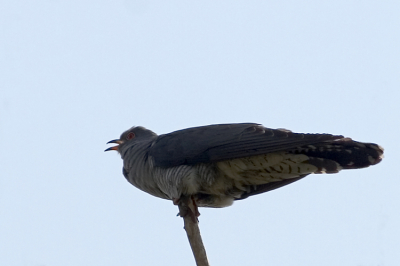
{"x": 131, "y": 137}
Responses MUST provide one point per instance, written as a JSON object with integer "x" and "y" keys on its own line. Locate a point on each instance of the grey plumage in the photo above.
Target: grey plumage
{"x": 218, "y": 164}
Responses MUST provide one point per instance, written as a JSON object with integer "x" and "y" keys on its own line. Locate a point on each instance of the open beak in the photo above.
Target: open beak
{"x": 115, "y": 148}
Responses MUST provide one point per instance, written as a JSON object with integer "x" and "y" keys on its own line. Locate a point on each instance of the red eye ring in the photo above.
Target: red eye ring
{"x": 130, "y": 136}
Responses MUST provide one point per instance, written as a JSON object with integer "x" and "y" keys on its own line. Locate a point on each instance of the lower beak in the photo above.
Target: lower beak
{"x": 115, "y": 148}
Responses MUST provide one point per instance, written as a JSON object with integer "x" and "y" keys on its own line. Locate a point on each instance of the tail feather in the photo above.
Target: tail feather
{"x": 325, "y": 166}
{"x": 348, "y": 154}
{"x": 327, "y": 157}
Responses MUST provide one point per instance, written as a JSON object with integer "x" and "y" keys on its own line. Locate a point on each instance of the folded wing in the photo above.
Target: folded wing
{"x": 227, "y": 141}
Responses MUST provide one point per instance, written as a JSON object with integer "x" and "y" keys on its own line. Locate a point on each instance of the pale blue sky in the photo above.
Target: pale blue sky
{"x": 75, "y": 74}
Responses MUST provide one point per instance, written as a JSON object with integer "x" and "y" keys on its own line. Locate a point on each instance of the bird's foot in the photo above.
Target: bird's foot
{"x": 187, "y": 207}
{"x": 176, "y": 201}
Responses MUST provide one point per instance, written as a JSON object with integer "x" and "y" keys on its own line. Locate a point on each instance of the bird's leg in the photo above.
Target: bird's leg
{"x": 187, "y": 207}
{"x": 175, "y": 201}
{"x": 196, "y": 209}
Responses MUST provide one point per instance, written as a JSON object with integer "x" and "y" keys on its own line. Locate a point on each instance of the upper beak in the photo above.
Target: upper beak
{"x": 115, "y": 147}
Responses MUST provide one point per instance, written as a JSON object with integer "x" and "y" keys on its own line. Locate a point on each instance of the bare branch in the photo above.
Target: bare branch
{"x": 188, "y": 211}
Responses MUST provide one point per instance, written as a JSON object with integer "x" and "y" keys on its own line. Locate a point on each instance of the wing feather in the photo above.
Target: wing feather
{"x": 226, "y": 141}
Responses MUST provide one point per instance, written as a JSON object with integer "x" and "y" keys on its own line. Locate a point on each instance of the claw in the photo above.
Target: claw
{"x": 186, "y": 209}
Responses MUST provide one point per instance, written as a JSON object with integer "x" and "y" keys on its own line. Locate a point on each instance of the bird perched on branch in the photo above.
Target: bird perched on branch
{"x": 218, "y": 164}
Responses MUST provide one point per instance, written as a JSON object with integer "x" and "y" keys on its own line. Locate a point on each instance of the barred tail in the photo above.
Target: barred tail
{"x": 330, "y": 157}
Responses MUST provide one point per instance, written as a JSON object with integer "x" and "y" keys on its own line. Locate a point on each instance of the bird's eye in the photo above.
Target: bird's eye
{"x": 130, "y": 136}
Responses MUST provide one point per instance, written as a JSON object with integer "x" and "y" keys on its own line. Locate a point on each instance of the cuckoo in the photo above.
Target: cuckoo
{"x": 217, "y": 164}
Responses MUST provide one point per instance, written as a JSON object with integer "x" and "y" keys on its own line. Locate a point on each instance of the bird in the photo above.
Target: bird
{"x": 216, "y": 165}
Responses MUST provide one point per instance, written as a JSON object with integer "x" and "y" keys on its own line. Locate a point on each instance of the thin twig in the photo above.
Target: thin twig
{"x": 187, "y": 211}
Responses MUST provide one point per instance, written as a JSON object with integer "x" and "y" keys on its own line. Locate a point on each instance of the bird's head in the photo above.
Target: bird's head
{"x": 130, "y": 137}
